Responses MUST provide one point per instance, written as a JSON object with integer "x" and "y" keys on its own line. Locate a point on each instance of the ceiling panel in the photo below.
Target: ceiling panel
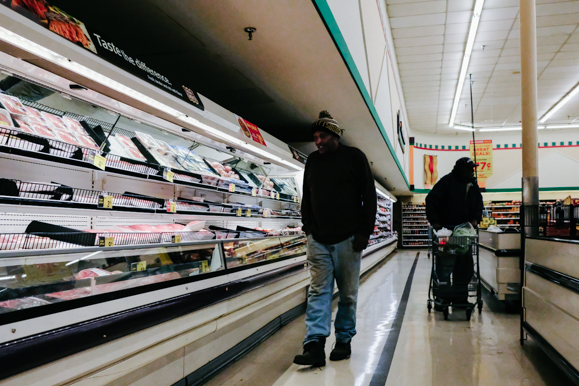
{"x": 494, "y": 63}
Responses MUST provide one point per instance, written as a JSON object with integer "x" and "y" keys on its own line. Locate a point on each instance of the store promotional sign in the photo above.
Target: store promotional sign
{"x": 250, "y": 130}
{"x": 72, "y": 29}
{"x": 484, "y": 158}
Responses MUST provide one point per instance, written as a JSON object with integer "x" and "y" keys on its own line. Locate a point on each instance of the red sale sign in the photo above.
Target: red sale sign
{"x": 484, "y": 158}
{"x": 251, "y": 131}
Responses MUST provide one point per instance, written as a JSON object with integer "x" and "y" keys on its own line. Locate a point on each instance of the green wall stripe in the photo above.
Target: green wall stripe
{"x": 332, "y": 26}
{"x": 554, "y": 189}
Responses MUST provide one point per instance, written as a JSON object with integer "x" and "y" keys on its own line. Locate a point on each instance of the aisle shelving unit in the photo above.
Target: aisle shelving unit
{"x": 414, "y": 226}
{"x": 383, "y": 226}
{"x": 507, "y": 214}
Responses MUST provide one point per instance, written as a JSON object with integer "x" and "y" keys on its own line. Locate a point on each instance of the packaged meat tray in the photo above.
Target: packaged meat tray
{"x": 34, "y": 115}
{"x": 5, "y": 119}
{"x": 180, "y": 150}
{"x": 43, "y": 131}
{"x": 126, "y": 141}
{"x": 74, "y": 125}
{"x": 23, "y": 126}
{"x": 22, "y": 303}
{"x": 147, "y": 141}
{"x": 67, "y": 137}
{"x": 134, "y": 153}
{"x": 54, "y": 121}
{"x": 165, "y": 147}
{"x": 72, "y": 294}
{"x": 87, "y": 142}
{"x": 13, "y": 105}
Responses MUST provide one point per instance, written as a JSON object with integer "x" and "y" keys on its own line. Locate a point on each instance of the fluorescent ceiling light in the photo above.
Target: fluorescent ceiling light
{"x": 461, "y": 127}
{"x": 54, "y": 57}
{"x": 560, "y": 104}
{"x": 502, "y": 129}
{"x": 466, "y": 59}
{"x": 561, "y": 127}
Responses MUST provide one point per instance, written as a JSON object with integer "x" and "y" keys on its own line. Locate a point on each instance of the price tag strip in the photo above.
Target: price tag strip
{"x": 172, "y": 207}
{"x": 140, "y": 266}
{"x": 105, "y": 202}
{"x": 168, "y": 175}
{"x": 232, "y": 188}
{"x": 239, "y": 212}
{"x": 176, "y": 239}
{"x": 204, "y": 266}
{"x": 254, "y": 192}
{"x": 106, "y": 241}
{"x": 97, "y": 160}
{"x": 248, "y": 213}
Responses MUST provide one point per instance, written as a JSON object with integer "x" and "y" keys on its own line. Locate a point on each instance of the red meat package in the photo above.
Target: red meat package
{"x": 74, "y": 125}
{"x": 34, "y": 115}
{"x": 43, "y": 131}
{"x": 91, "y": 272}
{"x": 54, "y": 121}
{"x": 67, "y": 137}
{"x": 87, "y": 141}
{"x": 13, "y": 105}
{"x": 25, "y": 127}
{"x": 125, "y": 141}
{"x": 5, "y": 118}
{"x": 135, "y": 154}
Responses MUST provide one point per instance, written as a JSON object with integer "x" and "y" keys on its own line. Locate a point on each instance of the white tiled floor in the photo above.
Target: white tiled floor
{"x": 430, "y": 351}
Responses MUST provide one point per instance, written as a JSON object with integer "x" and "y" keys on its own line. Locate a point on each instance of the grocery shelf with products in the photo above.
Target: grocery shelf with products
{"x": 506, "y": 213}
{"x": 117, "y": 212}
{"x": 414, "y": 226}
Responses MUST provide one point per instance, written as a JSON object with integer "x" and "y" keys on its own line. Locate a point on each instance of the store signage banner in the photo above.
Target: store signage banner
{"x": 250, "y": 130}
{"x": 484, "y": 158}
{"x": 72, "y": 29}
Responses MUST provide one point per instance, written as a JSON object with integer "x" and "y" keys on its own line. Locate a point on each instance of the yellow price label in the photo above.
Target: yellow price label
{"x": 172, "y": 207}
{"x": 272, "y": 194}
{"x": 295, "y": 199}
{"x": 492, "y": 221}
{"x": 248, "y": 213}
{"x": 97, "y": 160}
{"x": 140, "y": 266}
{"x": 105, "y": 202}
{"x": 254, "y": 192}
{"x": 168, "y": 175}
{"x": 239, "y": 212}
{"x": 176, "y": 238}
{"x": 266, "y": 213}
{"x": 277, "y": 196}
{"x": 204, "y": 266}
{"x": 244, "y": 260}
{"x": 106, "y": 241}
{"x": 232, "y": 188}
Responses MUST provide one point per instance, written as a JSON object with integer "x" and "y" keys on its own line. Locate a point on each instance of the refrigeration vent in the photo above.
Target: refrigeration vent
{"x": 17, "y": 222}
{"x": 111, "y": 222}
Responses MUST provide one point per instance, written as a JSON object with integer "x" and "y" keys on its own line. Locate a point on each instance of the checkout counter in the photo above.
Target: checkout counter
{"x": 499, "y": 259}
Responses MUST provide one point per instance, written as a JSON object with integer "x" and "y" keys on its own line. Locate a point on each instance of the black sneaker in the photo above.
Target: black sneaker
{"x": 314, "y": 354}
{"x": 341, "y": 351}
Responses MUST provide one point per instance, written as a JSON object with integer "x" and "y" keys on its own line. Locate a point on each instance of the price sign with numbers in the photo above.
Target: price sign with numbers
{"x": 176, "y": 238}
{"x": 168, "y": 175}
{"x": 106, "y": 241}
{"x": 97, "y": 160}
{"x": 295, "y": 199}
{"x": 204, "y": 266}
{"x": 232, "y": 188}
{"x": 105, "y": 201}
{"x": 140, "y": 266}
{"x": 171, "y": 207}
{"x": 254, "y": 192}
{"x": 484, "y": 159}
{"x": 239, "y": 212}
{"x": 248, "y": 213}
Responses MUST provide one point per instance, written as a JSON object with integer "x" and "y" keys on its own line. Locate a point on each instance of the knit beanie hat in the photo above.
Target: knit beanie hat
{"x": 327, "y": 123}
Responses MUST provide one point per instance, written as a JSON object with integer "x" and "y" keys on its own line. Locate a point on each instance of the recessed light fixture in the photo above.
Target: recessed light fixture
{"x": 466, "y": 59}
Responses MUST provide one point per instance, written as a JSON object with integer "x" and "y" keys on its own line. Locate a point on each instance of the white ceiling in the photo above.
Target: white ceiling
{"x": 430, "y": 38}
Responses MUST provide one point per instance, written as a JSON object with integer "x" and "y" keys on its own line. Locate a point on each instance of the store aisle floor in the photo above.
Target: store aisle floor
{"x": 429, "y": 350}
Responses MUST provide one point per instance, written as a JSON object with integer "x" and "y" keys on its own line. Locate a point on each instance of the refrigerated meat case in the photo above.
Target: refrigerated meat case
{"x": 143, "y": 214}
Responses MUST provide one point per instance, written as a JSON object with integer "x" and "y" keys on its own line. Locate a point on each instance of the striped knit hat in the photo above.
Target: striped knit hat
{"x": 327, "y": 123}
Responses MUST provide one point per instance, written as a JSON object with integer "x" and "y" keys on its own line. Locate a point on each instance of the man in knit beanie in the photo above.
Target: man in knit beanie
{"x": 338, "y": 215}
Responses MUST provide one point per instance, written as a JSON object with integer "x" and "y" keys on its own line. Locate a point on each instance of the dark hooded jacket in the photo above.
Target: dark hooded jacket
{"x": 453, "y": 201}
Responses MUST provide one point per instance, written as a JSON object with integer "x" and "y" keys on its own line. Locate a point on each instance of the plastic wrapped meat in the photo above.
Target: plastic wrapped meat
{"x": 91, "y": 272}
{"x": 5, "y": 118}
{"x": 147, "y": 141}
{"x": 43, "y": 131}
{"x": 126, "y": 141}
{"x": 74, "y": 125}
{"x": 165, "y": 147}
{"x": 87, "y": 142}
{"x": 158, "y": 278}
{"x": 72, "y": 294}
{"x": 22, "y": 303}
{"x": 13, "y": 105}
{"x": 34, "y": 115}
{"x": 142, "y": 227}
{"x": 54, "y": 121}
{"x": 24, "y": 127}
{"x": 181, "y": 151}
{"x": 134, "y": 153}
{"x": 191, "y": 207}
{"x": 67, "y": 137}
{"x": 162, "y": 228}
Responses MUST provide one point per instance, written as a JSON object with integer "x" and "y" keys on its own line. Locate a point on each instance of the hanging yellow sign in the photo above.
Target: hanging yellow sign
{"x": 484, "y": 159}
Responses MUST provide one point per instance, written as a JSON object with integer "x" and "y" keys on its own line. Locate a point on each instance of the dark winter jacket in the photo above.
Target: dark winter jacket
{"x": 450, "y": 203}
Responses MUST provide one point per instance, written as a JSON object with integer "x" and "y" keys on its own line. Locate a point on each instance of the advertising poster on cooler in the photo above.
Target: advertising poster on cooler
{"x": 74, "y": 30}
{"x": 484, "y": 158}
{"x": 250, "y": 130}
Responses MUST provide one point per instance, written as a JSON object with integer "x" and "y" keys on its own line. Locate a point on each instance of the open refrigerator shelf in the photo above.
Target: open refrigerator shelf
{"x": 413, "y": 220}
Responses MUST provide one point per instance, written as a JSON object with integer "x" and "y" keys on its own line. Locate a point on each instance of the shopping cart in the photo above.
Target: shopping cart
{"x": 455, "y": 276}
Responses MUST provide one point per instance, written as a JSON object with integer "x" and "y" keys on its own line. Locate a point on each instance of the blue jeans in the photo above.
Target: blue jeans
{"x": 329, "y": 262}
